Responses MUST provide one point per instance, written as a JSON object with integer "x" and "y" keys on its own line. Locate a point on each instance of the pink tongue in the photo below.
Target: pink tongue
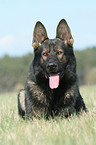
{"x": 54, "y": 81}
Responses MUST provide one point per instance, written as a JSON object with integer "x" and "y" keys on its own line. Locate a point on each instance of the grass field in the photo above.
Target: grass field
{"x": 73, "y": 131}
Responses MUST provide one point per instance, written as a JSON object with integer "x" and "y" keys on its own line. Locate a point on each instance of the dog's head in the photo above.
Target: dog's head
{"x": 52, "y": 57}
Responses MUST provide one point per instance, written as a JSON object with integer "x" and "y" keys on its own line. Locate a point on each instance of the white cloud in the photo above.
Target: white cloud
{"x": 91, "y": 38}
{"x": 6, "y": 42}
{"x": 18, "y": 44}
{"x": 84, "y": 41}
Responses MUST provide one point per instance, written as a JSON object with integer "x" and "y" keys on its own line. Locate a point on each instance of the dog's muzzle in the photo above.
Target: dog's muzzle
{"x": 52, "y": 69}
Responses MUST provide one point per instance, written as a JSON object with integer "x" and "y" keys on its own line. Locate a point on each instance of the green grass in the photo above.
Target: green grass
{"x": 73, "y": 131}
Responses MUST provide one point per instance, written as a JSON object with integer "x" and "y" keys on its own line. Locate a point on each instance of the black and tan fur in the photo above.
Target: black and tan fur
{"x": 51, "y": 56}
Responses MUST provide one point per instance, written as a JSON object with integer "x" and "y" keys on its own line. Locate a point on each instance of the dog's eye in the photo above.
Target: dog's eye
{"x": 59, "y": 52}
{"x": 45, "y": 53}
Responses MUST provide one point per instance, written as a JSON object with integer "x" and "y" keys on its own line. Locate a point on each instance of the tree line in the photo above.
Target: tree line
{"x": 14, "y": 70}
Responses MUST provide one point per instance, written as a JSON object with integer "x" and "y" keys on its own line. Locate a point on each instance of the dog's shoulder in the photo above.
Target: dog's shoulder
{"x": 35, "y": 91}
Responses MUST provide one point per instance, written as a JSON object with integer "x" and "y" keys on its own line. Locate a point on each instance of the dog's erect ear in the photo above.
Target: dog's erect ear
{"x": 63, "y": 32}
{"x": 39, "y": 35}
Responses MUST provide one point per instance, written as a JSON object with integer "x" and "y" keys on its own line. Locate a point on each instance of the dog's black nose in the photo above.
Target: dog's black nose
{"x": 52, "y": 67}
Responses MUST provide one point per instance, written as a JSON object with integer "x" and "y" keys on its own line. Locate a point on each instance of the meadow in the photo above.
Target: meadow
{"x": 72, "y": 131}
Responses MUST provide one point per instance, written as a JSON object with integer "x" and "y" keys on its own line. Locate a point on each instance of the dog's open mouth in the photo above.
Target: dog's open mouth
{"x": 54, "y": 81}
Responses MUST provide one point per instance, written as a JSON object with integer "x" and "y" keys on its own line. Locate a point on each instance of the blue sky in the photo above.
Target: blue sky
{"x": 18, "y": 18}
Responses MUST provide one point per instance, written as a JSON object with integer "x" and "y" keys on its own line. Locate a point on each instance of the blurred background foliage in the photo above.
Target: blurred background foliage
{"x": 14, "y": 70}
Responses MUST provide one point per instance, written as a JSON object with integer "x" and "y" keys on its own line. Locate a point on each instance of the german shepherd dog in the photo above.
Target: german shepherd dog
{"x": 51, "y": 88}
